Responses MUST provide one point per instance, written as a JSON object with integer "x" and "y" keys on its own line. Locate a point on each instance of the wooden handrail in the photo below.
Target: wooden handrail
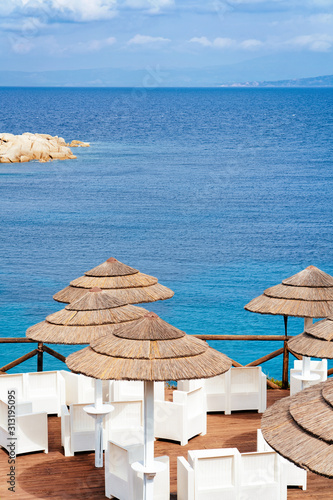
{"x": 268, "y": 338}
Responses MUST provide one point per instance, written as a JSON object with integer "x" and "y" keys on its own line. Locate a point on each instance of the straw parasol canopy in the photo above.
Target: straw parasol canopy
{"x": 300, "y": 428}
{"x": 148, "y": 349}
{"x": 308, "y": 293}
{"x": 95, "y": 314}
{"x": 126, "y": 283}
{"x": 316, "y": 341}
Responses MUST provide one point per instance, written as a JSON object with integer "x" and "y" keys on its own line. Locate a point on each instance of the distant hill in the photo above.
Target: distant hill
{"x": 318, "y": 81}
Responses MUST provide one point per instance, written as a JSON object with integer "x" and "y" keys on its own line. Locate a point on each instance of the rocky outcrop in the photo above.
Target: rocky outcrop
{"x": 42, "y": 147}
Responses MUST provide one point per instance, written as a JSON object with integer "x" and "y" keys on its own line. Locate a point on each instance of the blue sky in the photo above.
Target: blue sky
{"x": 260, "y": 39}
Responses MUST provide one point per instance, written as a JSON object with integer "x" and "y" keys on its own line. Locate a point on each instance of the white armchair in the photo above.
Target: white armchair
{"x": 217, "y": 391}
{"x": 77, "y": 430}
{"x": 78, "y": 388}
{"x": 125, "y": 423}
{"x": 12, "y": 381}
{"x": 227, "y": 474}
{"x": 208, "y": 475}
{"x": 30, "y": 429}
{"x": 243, "y": 388}
{"x": 183, "y": 418}
{"x": 122, "y": 482}
{"x": 248, "y": 389}
{"x": 293, "y": 475}
{"x": 318, "y": 367}
{"x": 46, "y": 391}
{"x": 261, "y": 477}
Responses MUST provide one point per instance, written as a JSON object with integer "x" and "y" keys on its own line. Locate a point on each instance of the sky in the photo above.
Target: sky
{"x": 247, "y": 39}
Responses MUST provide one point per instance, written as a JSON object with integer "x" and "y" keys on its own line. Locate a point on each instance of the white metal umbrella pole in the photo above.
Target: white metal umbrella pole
{"x": 98, "y": 412}
{"x": 149, "y": 467}
{"x": 148, "y": 485}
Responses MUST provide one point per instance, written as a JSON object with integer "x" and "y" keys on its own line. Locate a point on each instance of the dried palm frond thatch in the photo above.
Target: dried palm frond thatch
{"x": 300, "y": 428}
{"x": 316, "y": 341}
{"x": 127, "y": 283}
{"x": 148, "y": 349}
{"x": 86, "y": 319}
{"x": 308, "y": 293}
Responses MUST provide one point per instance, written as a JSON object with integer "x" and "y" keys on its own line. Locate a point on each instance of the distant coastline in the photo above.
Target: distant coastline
{"x": 313, "y": 82}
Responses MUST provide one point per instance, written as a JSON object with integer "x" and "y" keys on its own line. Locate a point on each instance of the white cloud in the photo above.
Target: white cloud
{"x": 147, "y": 40}
{"x": 223, "y": 43}
{"x": 202, "y": 40}
{"x": 314, "y": 43}
{"x": 76, "y": 10}
{"x": 227, "y": 43}
{"x": 152, "y": 6}
{"x": 86, "y": 10}
{"x": 92, "y": 45}
{"x": 251, "y": 44}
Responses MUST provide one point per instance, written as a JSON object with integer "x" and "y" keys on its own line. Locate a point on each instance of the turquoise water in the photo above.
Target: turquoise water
{"x": 220, "y": 193}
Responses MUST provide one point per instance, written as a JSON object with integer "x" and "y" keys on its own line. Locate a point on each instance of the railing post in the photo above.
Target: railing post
{"x": 40, "y": 357}
{"x": 285, "y": 369}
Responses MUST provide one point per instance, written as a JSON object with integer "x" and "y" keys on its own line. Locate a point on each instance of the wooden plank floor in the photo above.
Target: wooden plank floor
{"x": 53, "y": 476}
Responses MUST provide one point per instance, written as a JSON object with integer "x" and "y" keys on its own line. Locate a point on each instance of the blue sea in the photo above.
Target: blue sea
{"x": 220, "y": 193}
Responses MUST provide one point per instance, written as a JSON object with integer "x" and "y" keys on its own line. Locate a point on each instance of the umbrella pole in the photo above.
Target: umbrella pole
{"x": 285, "y": 367}
{"x": 99, "y": 424}
{"x": 148, "y": 484}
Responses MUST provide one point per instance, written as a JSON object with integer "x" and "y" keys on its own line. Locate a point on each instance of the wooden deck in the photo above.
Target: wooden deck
{"x": 53, "y": 476}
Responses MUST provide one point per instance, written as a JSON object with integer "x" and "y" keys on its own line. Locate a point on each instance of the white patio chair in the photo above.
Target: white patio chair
{"x": 293, "y": 475}
{"x": 127, "y": 390}
{"x": 30, "y": 429}
{"x": 46, "y": 391}
{"x": 318, "y": 367}
{"x": 261, "y": 477}
{"x": 12, "y": 381}
{"x": 125, "y": 423}
{"x": 217, "y": 391}
{"x": 77, "y": 430}
{"x": 208, "y": 475}
{"x": 122, "y": 482}
{"x": 78, "y": 388}
{"x": 248, "y": 389}
{"x": 183, "y": 418}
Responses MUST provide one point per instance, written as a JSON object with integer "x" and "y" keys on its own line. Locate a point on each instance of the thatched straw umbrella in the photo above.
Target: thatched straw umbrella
{"x": 124, "y": 281}
{"x": 300, "y": 428}
{"x": 93, "y": 315}
{"x": 148, "y": 349}
{"x": 307, "y": 294}
{"x": 316, "y": 340}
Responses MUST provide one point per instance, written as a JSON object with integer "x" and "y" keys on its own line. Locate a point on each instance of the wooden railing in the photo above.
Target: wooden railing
{"x": 41, "y": 348}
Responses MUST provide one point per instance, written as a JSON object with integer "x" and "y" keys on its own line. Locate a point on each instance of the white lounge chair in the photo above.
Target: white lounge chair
{"x": 46, "y": 391}
{"x": 30, "y": 429}
{"x": 122, "y": 482}
{"x": 228, "y": 474}
{"x": 125, "y": 423}
{"x": 183, "y": 418}
{"x": 208, "y": 475}
{"x": 243, "y": 388}
{"x": 294, "y": 476}
{"x": 77, "y": 430}
{"x": 12, "y": 381}
{"x": 78, "y": 388}
{"x": 318, "y": 367}
{"x": 248, "y": 389}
